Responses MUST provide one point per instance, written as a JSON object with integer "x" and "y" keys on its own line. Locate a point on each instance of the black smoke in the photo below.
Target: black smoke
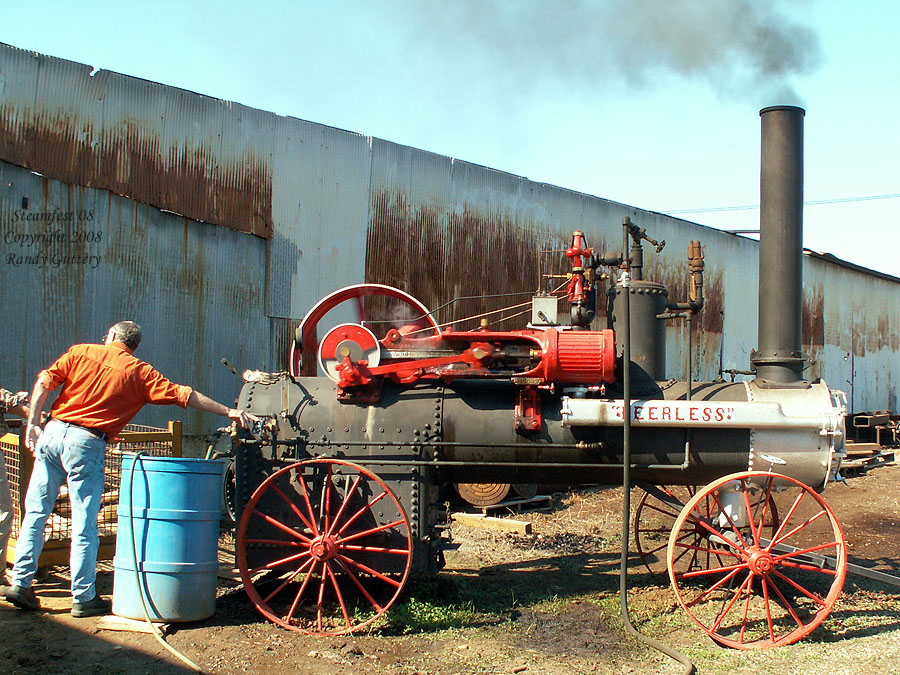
{"x": 743, "y": 49}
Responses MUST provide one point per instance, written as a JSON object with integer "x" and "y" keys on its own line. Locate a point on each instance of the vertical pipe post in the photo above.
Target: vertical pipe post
{"x": 779, "y": 359}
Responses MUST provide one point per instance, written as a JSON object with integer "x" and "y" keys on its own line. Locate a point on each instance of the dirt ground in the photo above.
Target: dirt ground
{"x": 541, "y": 603}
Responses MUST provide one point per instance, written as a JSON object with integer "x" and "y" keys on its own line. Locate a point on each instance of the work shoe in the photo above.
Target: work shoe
{"x": 96, "y": 606}
{"x": 23, "y": 597}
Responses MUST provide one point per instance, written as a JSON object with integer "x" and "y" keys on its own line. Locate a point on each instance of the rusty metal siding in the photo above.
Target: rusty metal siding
{"x": 859, "y": 350}
{"x": 196, "y": 289}
{"x": 321, "y": 205}
{"x": 201, "y": 157}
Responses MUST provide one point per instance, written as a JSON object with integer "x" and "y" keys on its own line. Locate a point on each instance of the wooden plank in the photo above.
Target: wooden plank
{"x": 854, "y": 449}
{"x": 491, "y": 523}
{"x": 228, "y": 571}
{"x": 120, "y": 623}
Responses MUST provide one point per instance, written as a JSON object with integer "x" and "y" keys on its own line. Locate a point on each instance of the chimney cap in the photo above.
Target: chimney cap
{"x": 787, "y": 108}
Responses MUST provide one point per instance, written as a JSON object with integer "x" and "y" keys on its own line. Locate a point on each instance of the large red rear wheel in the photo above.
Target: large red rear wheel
{"x": 324, "y": 547}
{"x": 750, "y": 585}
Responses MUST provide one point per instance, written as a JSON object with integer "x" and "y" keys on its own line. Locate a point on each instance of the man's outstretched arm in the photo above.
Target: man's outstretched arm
{"x": 205, "y": 403}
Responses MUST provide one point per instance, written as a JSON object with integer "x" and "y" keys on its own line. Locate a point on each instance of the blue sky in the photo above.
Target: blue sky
{"x": 653, "y": 103}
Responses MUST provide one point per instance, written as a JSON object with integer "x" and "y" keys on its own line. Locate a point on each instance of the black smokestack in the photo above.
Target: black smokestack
{"x": 779, "y": 360}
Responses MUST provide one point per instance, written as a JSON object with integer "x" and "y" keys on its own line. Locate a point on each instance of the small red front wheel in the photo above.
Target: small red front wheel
{"x": 746, "y": 582}
{"x": 324, "y": 547}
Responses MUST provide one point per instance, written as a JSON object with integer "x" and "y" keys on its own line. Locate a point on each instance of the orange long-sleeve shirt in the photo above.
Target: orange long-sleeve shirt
{"x": 104, "y": 386}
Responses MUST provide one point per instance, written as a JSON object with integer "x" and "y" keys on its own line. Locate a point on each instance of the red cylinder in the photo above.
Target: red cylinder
{"x": 579, "y": 357}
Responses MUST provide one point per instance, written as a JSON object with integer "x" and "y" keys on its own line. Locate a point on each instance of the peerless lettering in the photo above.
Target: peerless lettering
{"x": 667, "y": 412}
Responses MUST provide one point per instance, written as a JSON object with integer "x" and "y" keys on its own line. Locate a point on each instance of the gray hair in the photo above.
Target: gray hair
{"x": 128, "y": 333}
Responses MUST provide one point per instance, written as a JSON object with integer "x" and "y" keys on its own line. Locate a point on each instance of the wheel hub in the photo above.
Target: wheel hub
{"x": 760, "y": 561}
{"x": 323, "y": 548}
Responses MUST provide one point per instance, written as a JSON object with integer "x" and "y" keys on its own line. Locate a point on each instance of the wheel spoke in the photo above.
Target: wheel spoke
{"x": 301, "y": 590}
{"x": 808, "y": 568}
{"x": 309, "y": 508}
{"x": 663, "y": 511}
{"x": 280, "y": 542}
{"x": 765, "y": 501}
{"x": 362, "y": 510}
{"x": 276, "y": 563}
{"x": 754, "y": 533}
{"x": 734, "y": 527}
{"x": 368, "y": 570}
{"x": 784, "y": 602}
{"x": 734, "y": 598}
{"x": 294, "y": 508}
{"x": 809, "y": 594}
{"x": 765, "y": 590}
{"x": 320, "y": 601}
{"x": 746, "y": 613}
{"x": 362, "y": 589}
{"x": 783, "y": 524}
{"x": 375, "y": 549}
{"x": 289, "y": 579}
{"x": 721, "y": 582}
{"x": 324, "y": 500}
{"x": 800, "y": 552}
{"x": 340, "y": 597}
{"x": 713, "y": 551}
{"x": 717, "y": 570}
{"x": 364, "y": 533}
{"x": 277, "y": 523}
{"x": 344, "y": 503}
{"x": 805, "y": 523}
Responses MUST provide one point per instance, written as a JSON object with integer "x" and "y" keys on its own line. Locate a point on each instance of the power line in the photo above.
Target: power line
{"x": 753, "y": 207}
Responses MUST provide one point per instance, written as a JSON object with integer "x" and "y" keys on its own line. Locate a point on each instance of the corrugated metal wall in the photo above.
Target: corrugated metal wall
{"x": 292, "y": 210}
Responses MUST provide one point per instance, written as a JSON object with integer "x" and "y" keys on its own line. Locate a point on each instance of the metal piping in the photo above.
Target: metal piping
{"x": 630, "y": 629}
{"x": 779, "y": 359}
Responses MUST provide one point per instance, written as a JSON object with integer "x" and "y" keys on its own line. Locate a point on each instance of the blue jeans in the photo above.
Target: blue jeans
{"x": 64, "y": 454}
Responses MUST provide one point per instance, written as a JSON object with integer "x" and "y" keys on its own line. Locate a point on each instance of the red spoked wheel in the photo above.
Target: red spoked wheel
{"x": 324, "y": 547}
{"x": 746, "y": 588}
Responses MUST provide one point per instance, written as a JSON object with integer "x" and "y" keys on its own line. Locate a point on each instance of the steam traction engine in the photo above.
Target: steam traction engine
{"x": 338, "y": 489}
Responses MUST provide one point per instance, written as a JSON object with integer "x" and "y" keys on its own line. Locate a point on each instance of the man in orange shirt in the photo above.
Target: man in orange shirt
{"x": 103, "y": 387}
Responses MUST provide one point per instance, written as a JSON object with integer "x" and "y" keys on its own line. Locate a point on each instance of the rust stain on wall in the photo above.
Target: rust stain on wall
{"x": 131, "y": 160}
{"x": 812, "y": 329}
{"x": 813, "y": 316}
{"x": 437, "y": 256}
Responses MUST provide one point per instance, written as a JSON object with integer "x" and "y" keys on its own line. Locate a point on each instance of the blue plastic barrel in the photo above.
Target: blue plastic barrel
{"x": 171, "y": 512}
